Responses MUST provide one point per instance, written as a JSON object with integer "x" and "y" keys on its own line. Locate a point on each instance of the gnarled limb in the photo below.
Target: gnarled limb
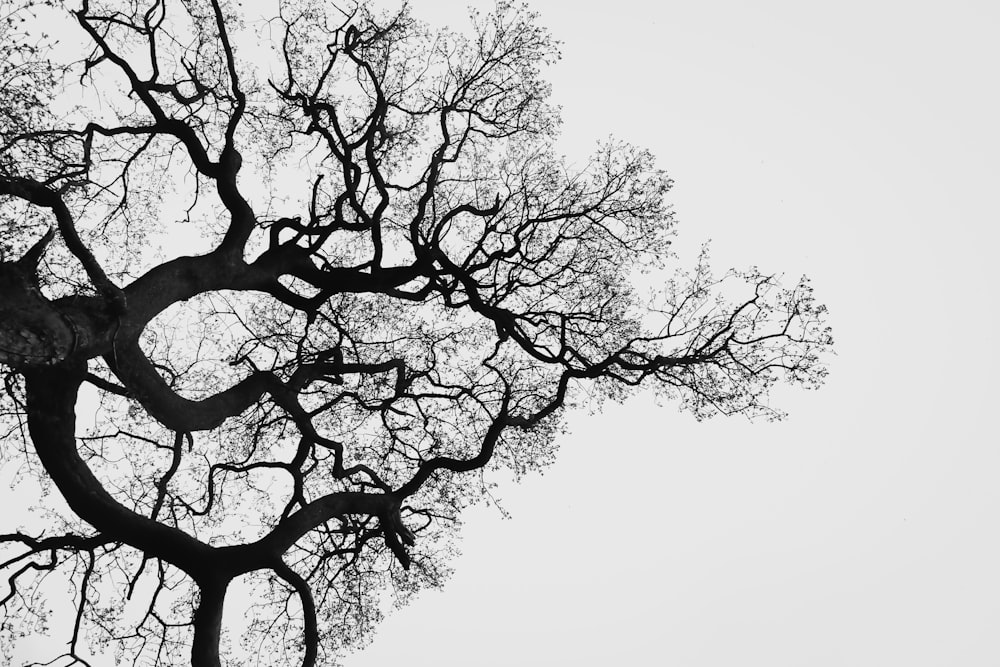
{"x": 51, "y": 401}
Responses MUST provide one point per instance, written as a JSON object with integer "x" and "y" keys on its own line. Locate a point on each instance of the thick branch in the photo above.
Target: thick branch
{"x": 171, "y": 409}
{"x": 51, "y": 398}
{"x": 208, "y": 623}
{"x": 310, "y": 630}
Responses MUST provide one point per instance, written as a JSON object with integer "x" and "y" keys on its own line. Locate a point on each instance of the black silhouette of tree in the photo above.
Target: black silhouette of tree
{"x": 378, "y": 282}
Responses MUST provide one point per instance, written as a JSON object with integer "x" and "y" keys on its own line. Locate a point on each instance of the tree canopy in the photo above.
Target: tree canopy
{"x": 278, "y": 295}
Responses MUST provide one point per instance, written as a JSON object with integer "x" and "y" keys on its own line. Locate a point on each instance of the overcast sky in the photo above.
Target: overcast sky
{"x": 858, "y": 143}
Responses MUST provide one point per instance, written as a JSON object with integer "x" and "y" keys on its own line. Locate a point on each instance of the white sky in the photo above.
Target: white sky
{"x": 856, "y": 142}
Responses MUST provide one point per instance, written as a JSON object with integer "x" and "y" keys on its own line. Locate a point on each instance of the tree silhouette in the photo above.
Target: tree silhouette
{"x": 378, "y": 283}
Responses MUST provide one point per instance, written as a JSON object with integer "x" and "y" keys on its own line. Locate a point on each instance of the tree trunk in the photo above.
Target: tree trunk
{"x": 208, "y": 624}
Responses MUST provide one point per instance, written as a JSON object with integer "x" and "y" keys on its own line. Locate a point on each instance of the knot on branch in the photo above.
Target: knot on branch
{"x": 397, "y": 535}
{"x": 351, "y": 38}
{"x": 32, "y": 331}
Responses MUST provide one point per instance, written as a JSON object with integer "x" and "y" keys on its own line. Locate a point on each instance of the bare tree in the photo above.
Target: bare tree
{"x": 391, "y": 285}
